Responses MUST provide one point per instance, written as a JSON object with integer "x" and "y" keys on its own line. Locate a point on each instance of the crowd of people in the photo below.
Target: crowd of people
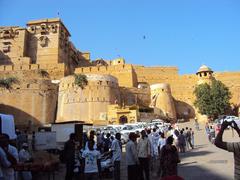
{"x": 152, "y": 151}
{"x": 149, "y": 152}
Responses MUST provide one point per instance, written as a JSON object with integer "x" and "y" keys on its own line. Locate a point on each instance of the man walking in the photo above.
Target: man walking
{"x": 144, "y": 154}
{"x": 188, "y": 138}
{"x": 117, "y": 153}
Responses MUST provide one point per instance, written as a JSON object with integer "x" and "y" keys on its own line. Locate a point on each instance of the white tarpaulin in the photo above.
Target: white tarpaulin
{"x": 7, "y": 125}
{"x": 45, "y": 140}
{"x": 63, "y": 131}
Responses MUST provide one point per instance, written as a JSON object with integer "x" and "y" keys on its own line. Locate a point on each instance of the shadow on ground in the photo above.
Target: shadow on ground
{"x": 194, "y": 154}
{"x": 200, "y": 146}
{"x": 194, "y": 172}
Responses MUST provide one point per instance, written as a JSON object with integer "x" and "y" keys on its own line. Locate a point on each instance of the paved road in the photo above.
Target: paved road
{"x": 207, "y": 161}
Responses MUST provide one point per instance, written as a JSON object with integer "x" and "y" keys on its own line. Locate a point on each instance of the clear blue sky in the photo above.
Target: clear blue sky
{"x": 182, "y": 33}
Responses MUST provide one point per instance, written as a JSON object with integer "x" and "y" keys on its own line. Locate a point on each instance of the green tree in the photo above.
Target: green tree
{"x": 8, "y": 82}
{"x": 212, "y": 100}
{"x": 81, "y": 80}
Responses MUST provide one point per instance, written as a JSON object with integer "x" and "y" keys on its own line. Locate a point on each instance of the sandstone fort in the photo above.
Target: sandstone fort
{"x": 43, "y": 61}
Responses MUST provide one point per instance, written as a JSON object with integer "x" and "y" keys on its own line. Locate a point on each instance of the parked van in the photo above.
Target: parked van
{"x": 7, "y": 125}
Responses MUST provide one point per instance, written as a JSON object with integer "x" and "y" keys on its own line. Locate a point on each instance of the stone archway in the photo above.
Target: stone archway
{"x": 123, "y": 119}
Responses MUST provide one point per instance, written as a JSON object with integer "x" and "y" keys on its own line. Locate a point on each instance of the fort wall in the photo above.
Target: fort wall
{"x": 55, "y": 71}
{"x": 232, "y": 81}
{"x": 123, "y": 72}
{"x": 158, "y": 74}
{"x": 90, "y": 103}
{"x": 132, "y": 96}
{"x": 162, "y": 101}
{"x": 32, "y": 102}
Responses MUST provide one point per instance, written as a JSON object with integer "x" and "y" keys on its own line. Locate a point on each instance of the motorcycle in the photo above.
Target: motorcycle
{"x": 106, "y": 164}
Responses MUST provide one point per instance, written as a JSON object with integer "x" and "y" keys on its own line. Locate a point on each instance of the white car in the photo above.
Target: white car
{"x": 124, "y": 138}
{"x": 118, "y": 128}
{"x": 227, "y": 118}
{"x": 230, "y": 118}
{"x": 127, "y": 129}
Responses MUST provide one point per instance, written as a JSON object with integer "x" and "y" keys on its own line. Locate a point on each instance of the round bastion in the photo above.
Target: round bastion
{"x": 90, "y": 103}
{"x": 162, "y": 100}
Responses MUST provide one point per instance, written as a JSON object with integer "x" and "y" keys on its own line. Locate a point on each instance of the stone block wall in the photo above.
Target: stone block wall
{"x": 232, "y": 81}
{"x": 32, "y": 102}
{"x": 132, "y": 96}
{"x": 55, "y": 71}
{"x": 154, "y": 75}
{"x": 123, "y": 72}
{"x": 13, "y": 45}
{"x": 90, "y": 103}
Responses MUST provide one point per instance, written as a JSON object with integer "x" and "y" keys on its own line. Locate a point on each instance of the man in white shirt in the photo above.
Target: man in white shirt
{"x": 161, "y": 142}
{"x": 155, "y": 140}
{"x": 131, "y": 157}
{"x": 144, "y": 154}
{"x": 24, "y": 156}
{"x": 91, "y": 162}
{"x": 117, "y": 154}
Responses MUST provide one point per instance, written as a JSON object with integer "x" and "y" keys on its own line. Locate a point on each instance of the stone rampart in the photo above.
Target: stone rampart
{"x": 31, "y": 101}
{"x": 123, "y": 72}
{"x": 55, "y": 71}
{"x": 90, "y": 103}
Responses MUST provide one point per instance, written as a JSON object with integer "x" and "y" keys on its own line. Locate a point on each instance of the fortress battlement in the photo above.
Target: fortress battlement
{"x": 31, "y": 67}
{"x": 103, "y": 69}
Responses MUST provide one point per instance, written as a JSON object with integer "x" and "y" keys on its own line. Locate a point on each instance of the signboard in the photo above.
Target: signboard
{"x": 45, "y": 140}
